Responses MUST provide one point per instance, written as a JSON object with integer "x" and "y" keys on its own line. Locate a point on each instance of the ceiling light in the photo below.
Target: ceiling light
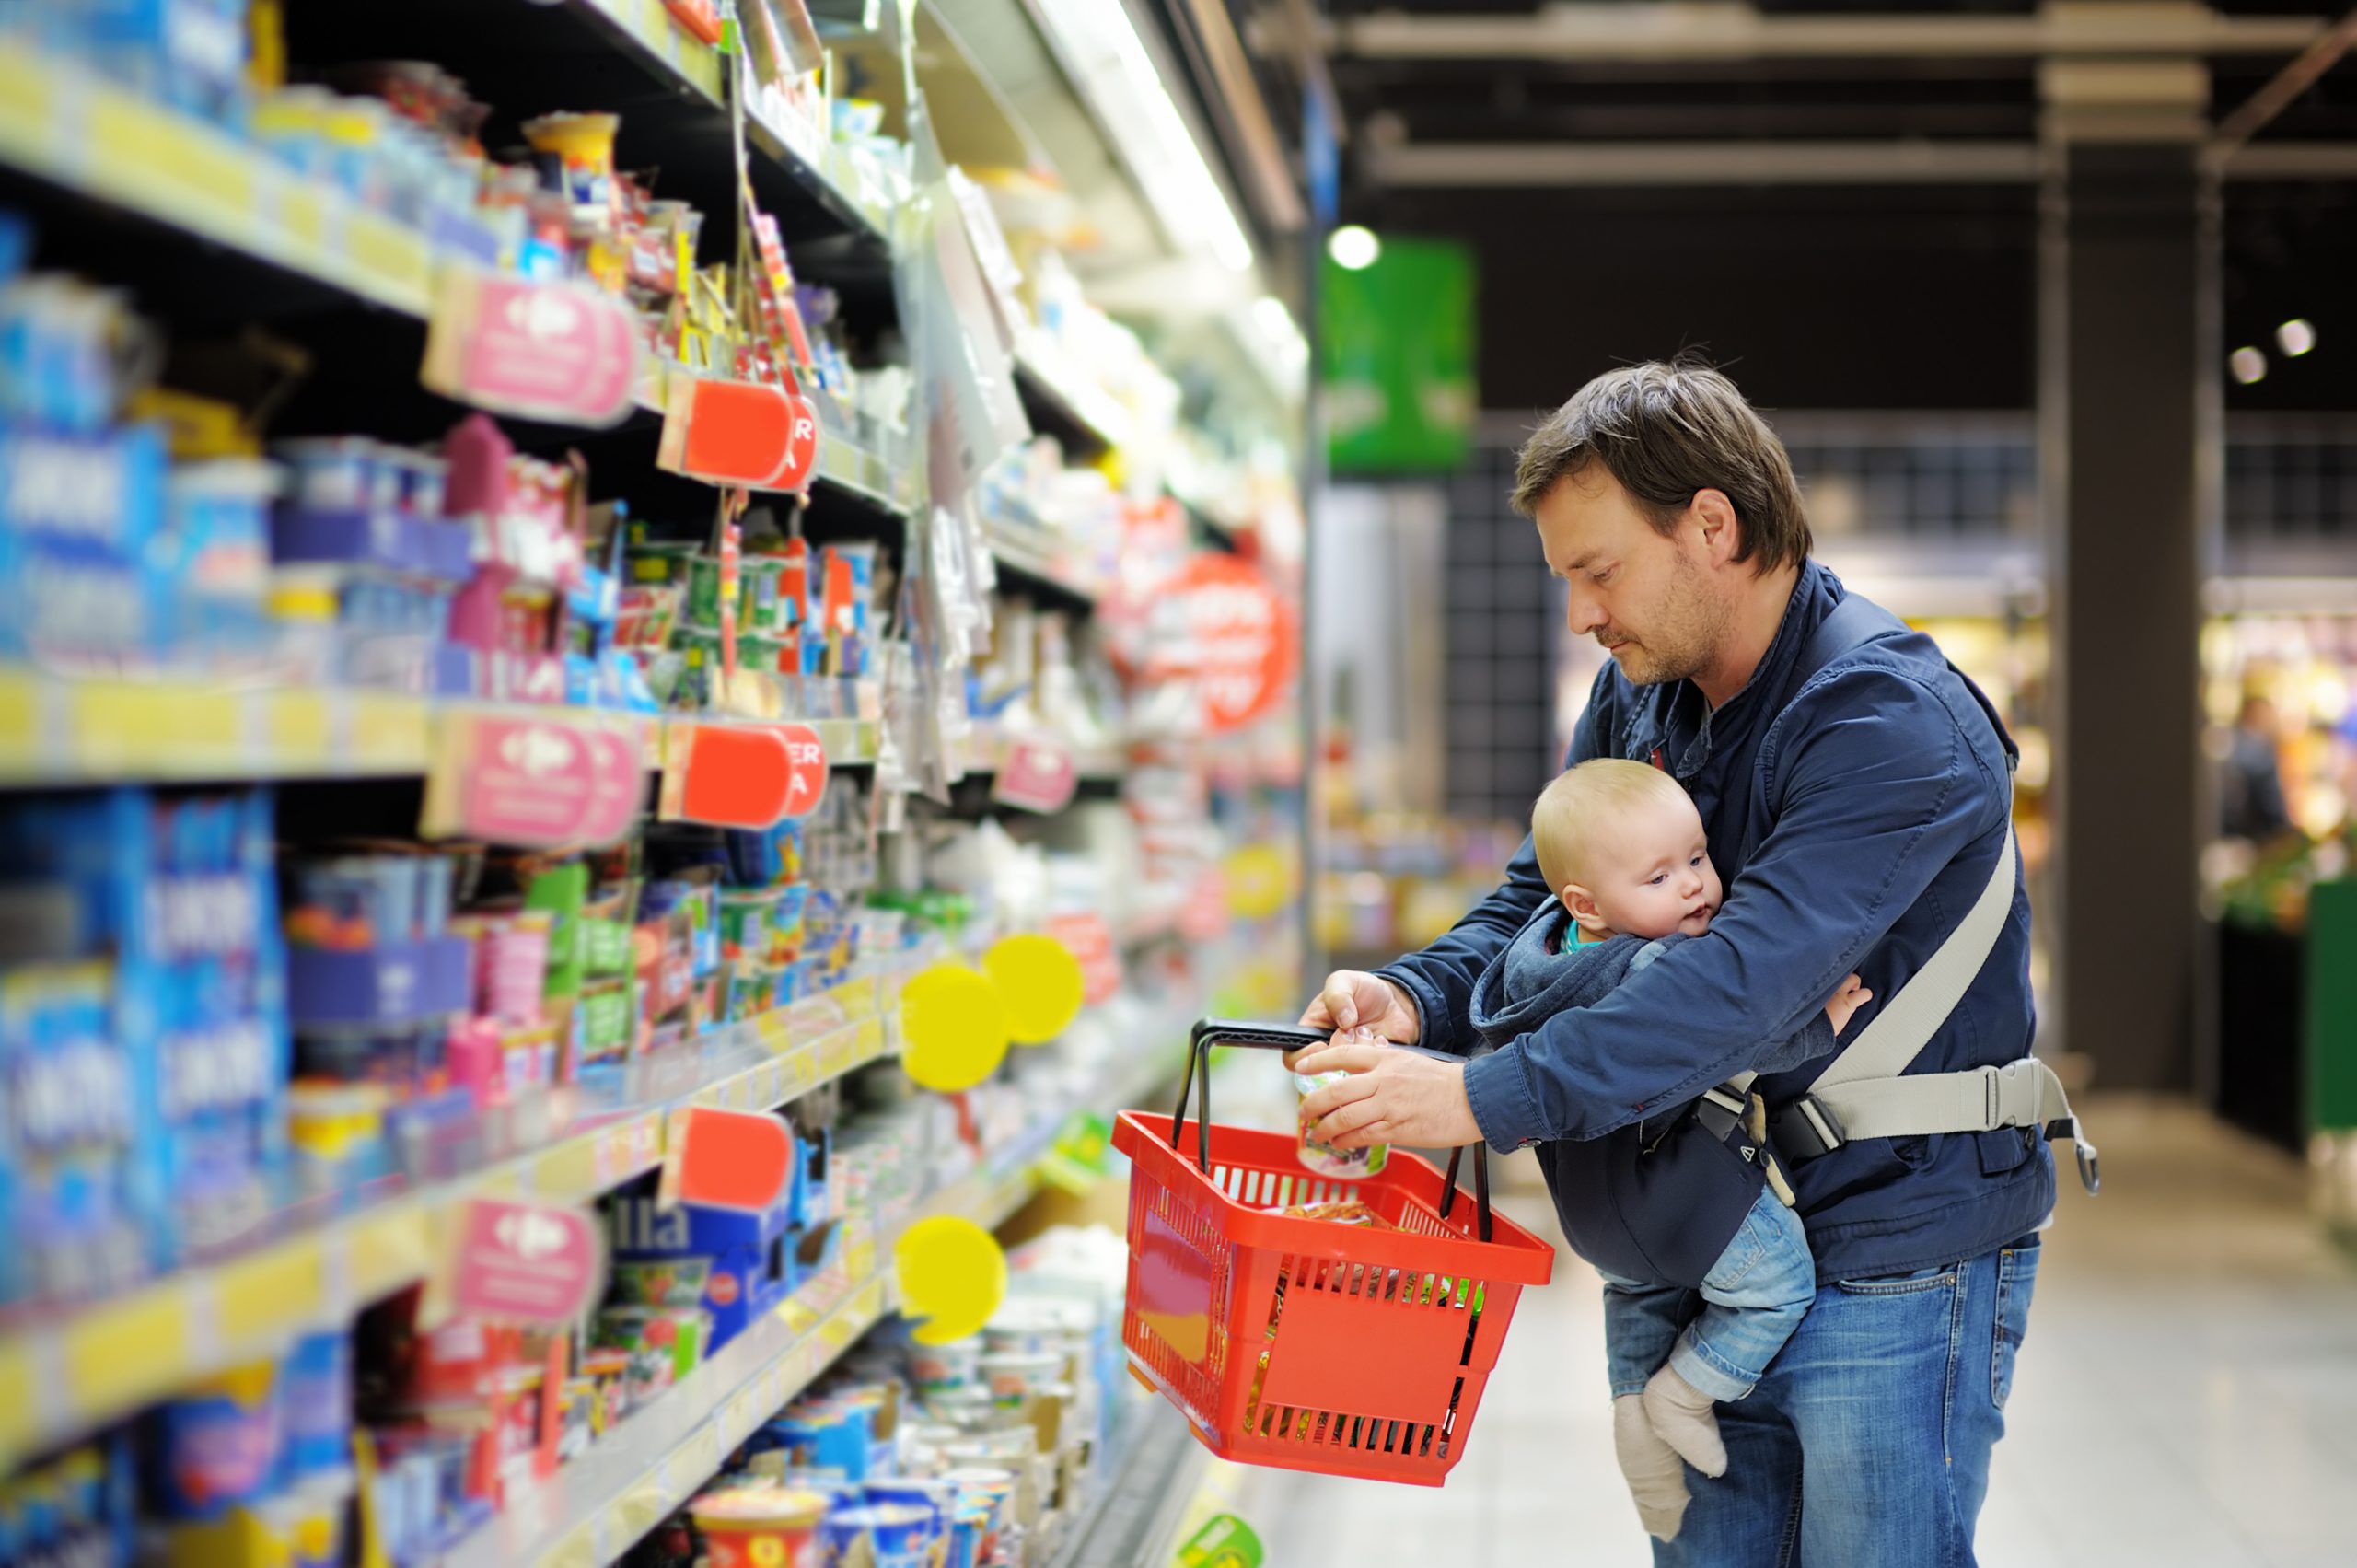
{"x": 1105, "y": 57}
{"x": 2295, "y": 337}
{"x": 1353, "y": 247}
{"x": 2249, "y": 365}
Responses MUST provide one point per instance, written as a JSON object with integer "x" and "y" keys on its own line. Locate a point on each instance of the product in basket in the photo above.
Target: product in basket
{"x": 1348, "y": 1210}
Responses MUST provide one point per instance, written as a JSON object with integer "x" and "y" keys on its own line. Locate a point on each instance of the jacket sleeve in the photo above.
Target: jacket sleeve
{"x": 1440, "y": 977}
{"x": 1815, "y": 1038}
{"x": 1877, "y": 790}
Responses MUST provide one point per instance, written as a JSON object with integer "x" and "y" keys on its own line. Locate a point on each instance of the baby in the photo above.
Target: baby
{"x": 1690, "y": 1197}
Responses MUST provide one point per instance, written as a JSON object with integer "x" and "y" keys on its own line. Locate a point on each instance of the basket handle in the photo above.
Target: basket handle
{"x": 1196, "y": 1086}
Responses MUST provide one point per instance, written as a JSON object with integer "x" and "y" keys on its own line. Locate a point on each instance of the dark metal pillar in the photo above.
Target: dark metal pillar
{"x": 2130, "y": 444}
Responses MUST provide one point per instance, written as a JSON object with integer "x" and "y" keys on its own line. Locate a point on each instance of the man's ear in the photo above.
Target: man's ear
{"x": 1582, "y": 903}
{"x": 1722, "y": 529}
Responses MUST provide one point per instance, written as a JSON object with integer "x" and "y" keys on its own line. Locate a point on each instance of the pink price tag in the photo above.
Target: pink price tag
{"x": 517, "y": 780}
{"x": 526, "y": 1263}
{"x": 555, "y": 351}
{"x": 1037, "y": 775}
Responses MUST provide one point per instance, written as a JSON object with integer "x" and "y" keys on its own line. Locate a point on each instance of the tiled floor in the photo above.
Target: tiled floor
{"x": 2188, "y": 1395}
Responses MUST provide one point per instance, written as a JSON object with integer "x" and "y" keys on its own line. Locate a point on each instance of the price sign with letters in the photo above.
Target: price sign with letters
{"x": 556, "y": 351}
{"x": 741, "y": 775}
{"x": 743, "y": 433}
{"x": 521, "y": 780}
{"x": 525, "y": 1262}
{"x": 1036, "y": 775}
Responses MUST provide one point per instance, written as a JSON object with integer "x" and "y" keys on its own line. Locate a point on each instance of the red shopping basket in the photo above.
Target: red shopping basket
{"x": 1302, "y": 1344}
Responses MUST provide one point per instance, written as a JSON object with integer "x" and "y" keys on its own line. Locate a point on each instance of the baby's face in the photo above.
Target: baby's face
{"x": 1655, "y": 875}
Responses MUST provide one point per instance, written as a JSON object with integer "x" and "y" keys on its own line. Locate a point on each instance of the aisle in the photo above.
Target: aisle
{"x": 2187, "y": 1394}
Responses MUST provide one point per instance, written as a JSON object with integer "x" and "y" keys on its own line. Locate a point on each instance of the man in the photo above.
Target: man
{"x": 1857, "y": 804}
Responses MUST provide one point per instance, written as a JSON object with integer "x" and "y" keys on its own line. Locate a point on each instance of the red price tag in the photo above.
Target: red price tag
{"x": 1036, "y": 775}
{"x": 742, "y": 433}
{"x": 741, "y": 775}
{"x": 526, "y": 1263}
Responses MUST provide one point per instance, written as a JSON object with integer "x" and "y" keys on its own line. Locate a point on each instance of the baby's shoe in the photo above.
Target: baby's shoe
{"x": 1682, "y": 1418}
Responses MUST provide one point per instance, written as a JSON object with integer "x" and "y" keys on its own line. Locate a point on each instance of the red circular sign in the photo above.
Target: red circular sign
{"x": 1240, "y": 640}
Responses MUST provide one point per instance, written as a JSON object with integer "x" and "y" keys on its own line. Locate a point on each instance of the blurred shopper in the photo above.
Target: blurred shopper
{"x": 1855, "y": 789}
{"x": 2250, "y": 785}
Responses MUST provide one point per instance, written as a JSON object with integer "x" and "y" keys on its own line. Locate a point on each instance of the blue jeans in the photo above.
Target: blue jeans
{"x": 1754, "y": 1297}
{"x": 1867, "y": 1444}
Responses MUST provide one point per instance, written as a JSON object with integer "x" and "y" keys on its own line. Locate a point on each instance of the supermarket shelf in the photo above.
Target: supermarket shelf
{"x": 56, "y": 730}
{"x": 986, "y": 748}
{"x": 853, "y": 472}
{"x": 1085, "y": 418}
{"x": 64, "y": 125}
{"x": 1140, "y": 1507}
{"x": 1028, "y": 564}
{"x": 595, "y": 1509}
{"x": 649, "y": 26}
{"x": 60, "y": 1380}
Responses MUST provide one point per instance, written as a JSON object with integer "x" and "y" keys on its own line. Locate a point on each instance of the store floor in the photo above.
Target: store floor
{"x": 2187, "y": 1394}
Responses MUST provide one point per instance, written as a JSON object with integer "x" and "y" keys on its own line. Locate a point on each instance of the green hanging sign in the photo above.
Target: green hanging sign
{"x": 1398, "y": 343}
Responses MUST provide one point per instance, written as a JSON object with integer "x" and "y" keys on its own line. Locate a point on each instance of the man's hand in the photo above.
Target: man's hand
{"x": 1391, "y": 1096}
{"x": 1353, "y": 1000}
{"x": 1853, "y": 995}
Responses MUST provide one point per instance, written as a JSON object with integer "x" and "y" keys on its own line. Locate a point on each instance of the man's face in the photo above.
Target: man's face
{"x": 1655, "y": 602}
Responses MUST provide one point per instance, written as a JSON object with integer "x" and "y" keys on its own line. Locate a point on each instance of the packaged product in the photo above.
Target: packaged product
{"x": 1350, "y": 1165}
{"x": 761, "y": 1526}
{"x": 891, "y": 1535}
{"x": 1347, "y": 1211}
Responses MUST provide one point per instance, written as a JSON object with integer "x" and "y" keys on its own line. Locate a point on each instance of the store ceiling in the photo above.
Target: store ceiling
{"x": 1840, "y": 199}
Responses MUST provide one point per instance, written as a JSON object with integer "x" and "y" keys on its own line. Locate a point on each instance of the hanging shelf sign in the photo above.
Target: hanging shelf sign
{"x": 559, "y": 352}
{"x": 740, "y": 433}
{"x": 741, "y": 775}
{"x": 525, "y": 781}
{"x": 1036, "y": 775}
{"x": 526, "y": 1263}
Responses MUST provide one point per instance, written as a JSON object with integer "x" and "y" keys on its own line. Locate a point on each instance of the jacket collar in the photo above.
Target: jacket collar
{"x": 1686, "y": 730}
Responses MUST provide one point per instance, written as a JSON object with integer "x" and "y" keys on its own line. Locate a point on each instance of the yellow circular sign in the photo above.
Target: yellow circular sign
{"x": 1260, "y": 882}
{"x": 953, "y": 1028}
{"x": 1039, "y": 982}
{"x": 952, "y": 1276}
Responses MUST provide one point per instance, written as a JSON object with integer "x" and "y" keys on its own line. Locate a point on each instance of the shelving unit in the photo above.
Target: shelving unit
{"x": 55, "y": 730}
{"x": 59, "y": 1381}
{"x": 221, "y": 234}
{"x": 595, "y": 1508}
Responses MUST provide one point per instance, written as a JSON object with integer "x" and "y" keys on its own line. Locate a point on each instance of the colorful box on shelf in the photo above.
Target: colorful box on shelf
{"x": 394, "y": 540}
{"x": 392, "y": 985}
{"x": 751, "y": 1254}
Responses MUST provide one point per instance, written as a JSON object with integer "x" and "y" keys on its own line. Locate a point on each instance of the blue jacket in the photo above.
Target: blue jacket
{"x": 1655, "y": 1203}
{"x": 1856, "y": 815}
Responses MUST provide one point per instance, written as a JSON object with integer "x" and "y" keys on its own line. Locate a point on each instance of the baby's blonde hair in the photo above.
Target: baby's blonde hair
{"x": 1581, "y": 810}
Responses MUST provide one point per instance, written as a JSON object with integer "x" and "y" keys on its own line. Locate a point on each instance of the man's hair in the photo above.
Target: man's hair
{"x": 1585, "y": 807}
{"x": 1665, "y": 430}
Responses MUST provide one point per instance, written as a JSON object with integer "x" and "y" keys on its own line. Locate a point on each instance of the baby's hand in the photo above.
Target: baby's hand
{"x": 1853, "y": 995}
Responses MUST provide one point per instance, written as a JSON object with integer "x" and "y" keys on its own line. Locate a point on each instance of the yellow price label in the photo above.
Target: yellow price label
{"x": 299, "y": 730}
{"x": 18, "y": 1425}
{"x": 129, "y": 1352}
{"x": 271, "y": 1294}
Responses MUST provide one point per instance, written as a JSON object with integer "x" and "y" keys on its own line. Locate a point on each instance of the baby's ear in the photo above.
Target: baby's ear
{"x": 1582, "y": 904}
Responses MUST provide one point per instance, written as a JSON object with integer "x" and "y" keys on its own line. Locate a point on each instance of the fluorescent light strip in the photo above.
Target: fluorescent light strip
{"x": 1109, "y": 61}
